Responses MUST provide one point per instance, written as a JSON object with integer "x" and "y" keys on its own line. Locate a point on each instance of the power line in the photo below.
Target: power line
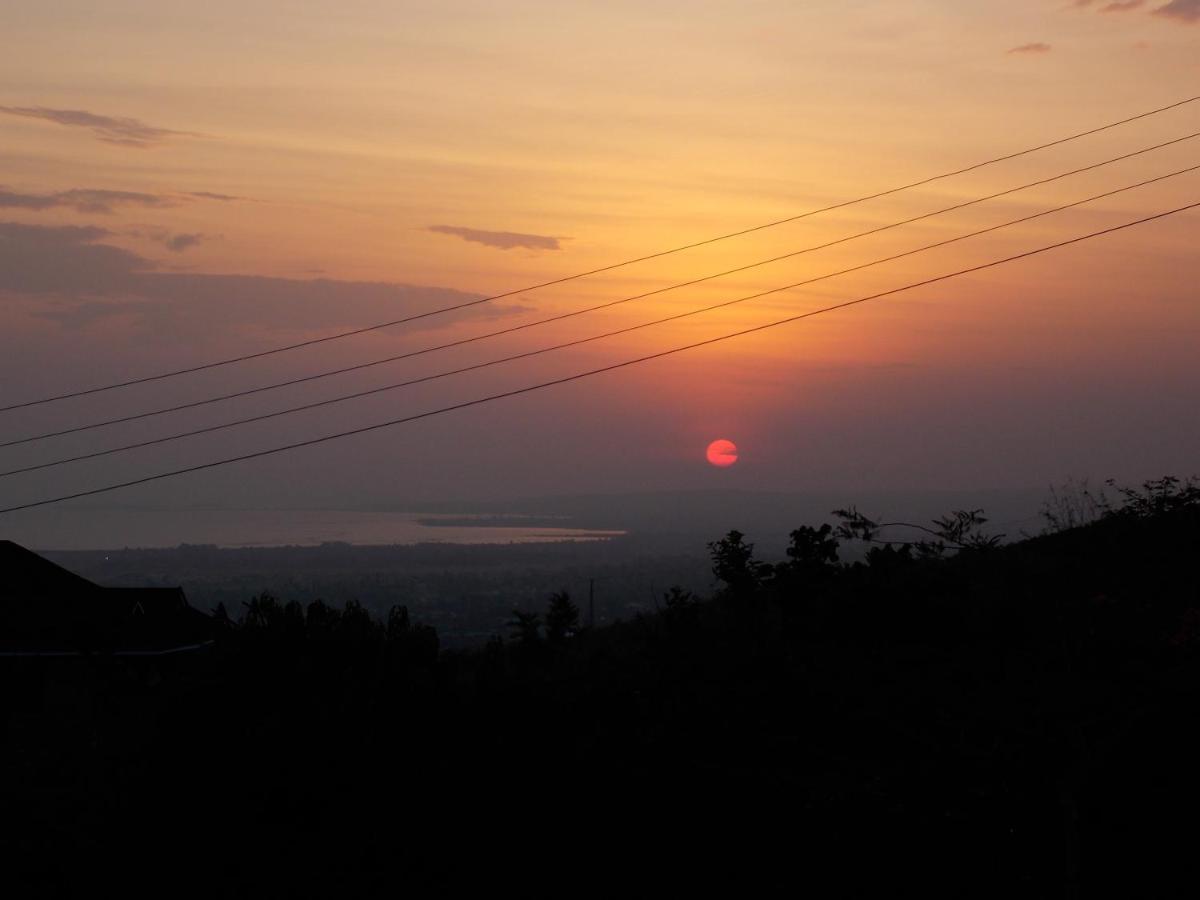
{"x": 579, "y": 341}
{"x": 578, "y": 376}
{"x": 606, "y": 305}
{"x": 607, "y": 268}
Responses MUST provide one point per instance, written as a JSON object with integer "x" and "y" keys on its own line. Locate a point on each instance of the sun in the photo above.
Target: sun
{"x": 722, "y": 453}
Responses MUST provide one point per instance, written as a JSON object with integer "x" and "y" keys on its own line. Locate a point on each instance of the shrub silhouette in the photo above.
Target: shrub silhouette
{"x": 733, "y": 563}
{"x": 1073, "y": 505}
{"x": 562, "y": 617}
{"x": 960, "y": 530}
{"x": 1156, "y": 497}
{"x": 812, "y": 556}
{"x": 525, "y": 627}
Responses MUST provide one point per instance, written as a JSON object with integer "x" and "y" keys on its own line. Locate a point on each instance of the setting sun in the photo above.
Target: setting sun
{"x": 722, "y": 453}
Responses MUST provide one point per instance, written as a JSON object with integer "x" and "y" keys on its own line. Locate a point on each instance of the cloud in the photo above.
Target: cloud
{"x": 69, "y": 275}
{"x": 27, "y": 201}
{"x": 180, "y": 242}
{"x": 1182, "y": 10}
{"x": 1031, "y": 48}
{"x": 67, "y": 258}
{"x": 176, "y": 242}
{"x": 1186, "y": 11}
{"x": 503, "y": 240}
{"x": 209, "y": 195}
{"x": 84, "y": 200}
{"x": 87, "y": 200}
{"x": 122, "y": 131}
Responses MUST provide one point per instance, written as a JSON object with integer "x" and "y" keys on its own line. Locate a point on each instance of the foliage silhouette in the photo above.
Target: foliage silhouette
{"x": 526, "y": 627}
{"x": 812, "y": 556}
{"x": 960, "y": 530}
{"x": 1073, "y": 505}
{"x": 1156, "y": 497}
{"x": 734, "y": 564}
{"x": 1003, "y": 723}
{"x": 562, "y": 618}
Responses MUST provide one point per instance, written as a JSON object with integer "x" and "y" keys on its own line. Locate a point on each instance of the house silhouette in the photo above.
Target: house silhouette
{"x": 47, "y": 611}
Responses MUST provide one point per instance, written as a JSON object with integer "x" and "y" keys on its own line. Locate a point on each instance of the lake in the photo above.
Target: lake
{"x": 97, "y": 529}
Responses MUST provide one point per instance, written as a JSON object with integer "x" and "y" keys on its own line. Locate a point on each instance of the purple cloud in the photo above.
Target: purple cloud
{"x": 176, "y": 242}
{"x": 84, "y": 200}
{"x": 1181, "y": 10}
{"x": 70, "y": 275}
{"x": 125, "y": 132}
{"x": 503, "y": 240}
{"x": 209, "y": 195}
{"x": 180, "y": 242}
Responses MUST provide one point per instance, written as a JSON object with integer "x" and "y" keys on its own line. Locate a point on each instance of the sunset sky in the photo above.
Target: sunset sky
{"x": 181, "y": 183}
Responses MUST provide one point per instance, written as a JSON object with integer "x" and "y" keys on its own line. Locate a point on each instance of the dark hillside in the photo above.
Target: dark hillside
{"x": 968, "y": 719}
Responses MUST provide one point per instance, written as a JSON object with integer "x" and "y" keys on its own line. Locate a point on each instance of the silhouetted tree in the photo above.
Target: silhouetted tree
{"x": 959, "y": 530}
{"x": 1156, "y": 497}
{"x": 398, "y": 624}
{"x": 356, "y": 623}
{"x": 679, "y": 605}
{"x": 291, "y": 621}
{"x": 733, "y": 563}
{"x": 526, "y": 627}
{"x": 262, "y": 612}
{"x": 812, "y": 553}
{"x": 855, "y": 526}
{"x": 888, "y": 558}
{"x": 562, "y": 617}
{"x": 678, "y": 598}
{"x": 320, "y": 618}
{"x": 1073, "y": 505}
{"x": 422, "y": 646}
{"x": 963, "y": 530}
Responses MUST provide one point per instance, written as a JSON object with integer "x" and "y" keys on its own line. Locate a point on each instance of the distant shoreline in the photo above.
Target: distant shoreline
{"x": 501, "y": 520}
{"x": 234, "y": 529}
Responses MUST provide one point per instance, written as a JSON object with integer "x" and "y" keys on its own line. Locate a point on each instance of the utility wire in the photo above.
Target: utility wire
{"x": 579, "y": 312}
{"x": 578, "y": 376}
{"x": 577, "y": 342}
{"x": 607, "y": 268}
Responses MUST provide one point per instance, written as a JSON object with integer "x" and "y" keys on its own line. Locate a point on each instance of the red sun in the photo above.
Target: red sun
{"x": 722, "y": 453}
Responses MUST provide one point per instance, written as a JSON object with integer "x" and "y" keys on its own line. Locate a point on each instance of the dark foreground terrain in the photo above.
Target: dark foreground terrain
{"x": 465, "y": 591}
{"x": 950, "y": 717}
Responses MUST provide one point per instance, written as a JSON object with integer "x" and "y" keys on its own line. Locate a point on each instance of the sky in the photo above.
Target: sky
{"x": 182, "y": 183}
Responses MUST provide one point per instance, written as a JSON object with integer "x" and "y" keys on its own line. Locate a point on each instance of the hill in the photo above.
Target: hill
{"x": 949, "y": 715}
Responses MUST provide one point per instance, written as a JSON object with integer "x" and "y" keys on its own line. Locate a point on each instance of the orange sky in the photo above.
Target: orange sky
{"x": 392, "y": 142}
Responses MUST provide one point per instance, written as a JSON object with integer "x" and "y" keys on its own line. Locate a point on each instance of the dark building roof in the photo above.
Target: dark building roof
{"x": 23, "y": 572}
{"x": 44, "y": 609}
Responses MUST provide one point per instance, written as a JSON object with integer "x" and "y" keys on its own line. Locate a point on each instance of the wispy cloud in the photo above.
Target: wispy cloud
{"x": 174, "y": 241}
{"x": 71, "y": 275}
{"x": 123, "y": 131}
{"x": 209, "y": 195}
{"x": 102, "y": 202}
{"x": 1180, "y": 10}
{"x": 1184, "y": 11}
{"x": 84, "y": 200}
{"x": 1037, "y": 47}
{"x": 45, "y": 260}
{"x": 181, "y": 242}
{"x": 503, "y": 240}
